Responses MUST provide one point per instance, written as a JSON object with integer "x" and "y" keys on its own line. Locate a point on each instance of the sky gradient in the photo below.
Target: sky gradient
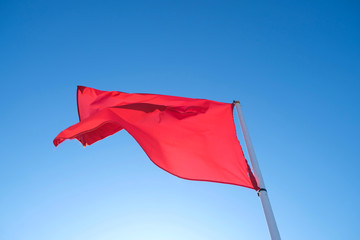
{"x": 294, "y": 66}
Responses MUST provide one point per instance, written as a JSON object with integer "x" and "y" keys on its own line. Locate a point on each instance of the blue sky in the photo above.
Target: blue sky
{"x": 294, "y": 66}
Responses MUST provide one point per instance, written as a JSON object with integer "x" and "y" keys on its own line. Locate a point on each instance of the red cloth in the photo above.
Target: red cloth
{"x": 193, "y": 139}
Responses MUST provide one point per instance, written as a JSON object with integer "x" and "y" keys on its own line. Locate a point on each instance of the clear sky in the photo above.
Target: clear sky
{"x": 294, "y": 66}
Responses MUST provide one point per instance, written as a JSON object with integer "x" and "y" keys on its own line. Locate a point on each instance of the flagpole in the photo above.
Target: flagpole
{"x": 262, "y": 193}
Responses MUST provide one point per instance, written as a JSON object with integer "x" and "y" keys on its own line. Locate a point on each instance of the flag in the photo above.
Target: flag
{"x": 194, "y": 139}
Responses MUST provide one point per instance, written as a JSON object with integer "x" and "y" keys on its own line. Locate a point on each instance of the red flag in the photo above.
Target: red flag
{"x": 193, "y": 139}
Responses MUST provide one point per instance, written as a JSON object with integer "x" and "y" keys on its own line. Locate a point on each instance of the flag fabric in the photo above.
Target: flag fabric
{"x": 194, "y": 139}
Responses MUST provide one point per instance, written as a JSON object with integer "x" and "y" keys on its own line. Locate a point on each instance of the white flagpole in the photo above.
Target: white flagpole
{"x": 269, "y": 215}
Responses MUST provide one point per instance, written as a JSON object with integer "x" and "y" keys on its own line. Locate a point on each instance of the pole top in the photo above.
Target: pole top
{"x": 235, "y": 102}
